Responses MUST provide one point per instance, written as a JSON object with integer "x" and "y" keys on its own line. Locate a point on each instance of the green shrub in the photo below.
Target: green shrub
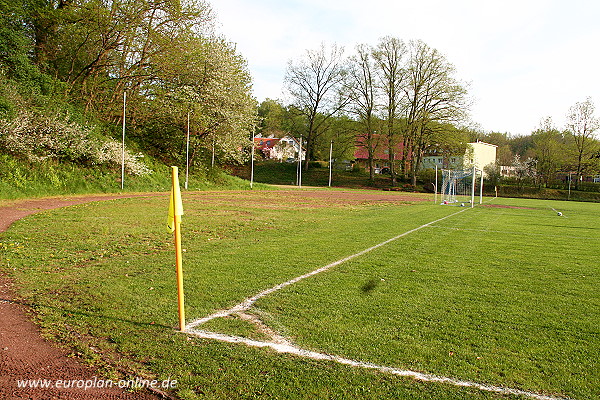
{"x": 38, "y": 137}
{"x": 318, "y": 164}
{"x": 426, "y": 175}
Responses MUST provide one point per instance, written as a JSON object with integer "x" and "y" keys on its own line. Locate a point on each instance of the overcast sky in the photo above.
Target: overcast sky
{"x": 523, "y": 59}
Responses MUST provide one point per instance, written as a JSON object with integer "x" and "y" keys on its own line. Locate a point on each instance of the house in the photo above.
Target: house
{"x": 282, "y": 149}
{"x": 508, "y": 171}
{"x": 381, "y": 156}
{"x": 478, "y": 155}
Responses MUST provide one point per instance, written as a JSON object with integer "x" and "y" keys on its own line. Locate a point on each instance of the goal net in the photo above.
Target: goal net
{"x": 459, "y": 187}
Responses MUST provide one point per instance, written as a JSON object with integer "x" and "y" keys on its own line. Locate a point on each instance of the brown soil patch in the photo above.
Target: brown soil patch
{"x": 24, "y": 354}
{"x": 305, "y": 198}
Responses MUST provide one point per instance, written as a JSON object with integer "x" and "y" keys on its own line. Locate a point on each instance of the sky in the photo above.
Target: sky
{"x": 523, "y": 60}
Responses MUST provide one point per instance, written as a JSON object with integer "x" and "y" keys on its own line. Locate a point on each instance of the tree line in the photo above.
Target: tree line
{"x": 407, "y": 93}
{"x": 62, "y": 61}
{"x": 550, "y": 151}
{"x": 394, "y": 92}
{"x": 164, "y": 54}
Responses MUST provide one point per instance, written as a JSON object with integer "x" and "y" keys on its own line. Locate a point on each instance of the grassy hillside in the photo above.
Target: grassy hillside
{"x": 21, "y": 179}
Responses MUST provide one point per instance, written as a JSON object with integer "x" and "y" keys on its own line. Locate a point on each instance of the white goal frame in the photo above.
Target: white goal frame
{"x": 459, "y": 186}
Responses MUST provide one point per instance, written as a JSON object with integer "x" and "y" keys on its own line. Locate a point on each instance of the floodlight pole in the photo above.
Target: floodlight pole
{"x": 123, "y": 146}
{"x": 473, "y": 188}
{"x": 187, "y": 152}
{"x": 300, "y": 163}
{"x": 436, "y": 185}
{"x": 212, "y": 160}
{"x": 481, "y": 188}
{"x": 252, "y": 163}
{"x": 297, "y": 169}
{"x": 330, "y": 161}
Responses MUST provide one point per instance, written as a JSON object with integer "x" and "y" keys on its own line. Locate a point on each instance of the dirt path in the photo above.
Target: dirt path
{"x": 24, "y": 354}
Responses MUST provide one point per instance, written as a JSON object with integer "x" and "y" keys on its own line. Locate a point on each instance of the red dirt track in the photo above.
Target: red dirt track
{"x": 26, "y": 355}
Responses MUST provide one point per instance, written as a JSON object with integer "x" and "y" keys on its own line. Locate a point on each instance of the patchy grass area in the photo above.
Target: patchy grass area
{"x": 503, "y": 296}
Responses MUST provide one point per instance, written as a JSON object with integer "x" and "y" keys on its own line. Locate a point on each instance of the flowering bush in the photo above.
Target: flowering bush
{"x": 39, "y": 137}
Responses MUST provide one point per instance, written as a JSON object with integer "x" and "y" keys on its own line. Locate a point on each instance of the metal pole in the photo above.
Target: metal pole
{"x": 569, "y": 198}
{"x": 481, "y": 189}
{"x": 436, "y": 185}
{"x": 187, "y": 152}
{"x": 297, "y": 169}
{"x": 300, "y": 163}
{"x": 252, "y": 164}
{"x": 212, "y": 161}
{"x": 330, "y": 161}
{"x": 123, "y": 147}
{"x": 473, "y": 188}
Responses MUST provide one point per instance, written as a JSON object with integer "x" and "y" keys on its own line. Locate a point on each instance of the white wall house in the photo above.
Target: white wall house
{"x": 281, "y": 149}
{"x": 478, "y": 154}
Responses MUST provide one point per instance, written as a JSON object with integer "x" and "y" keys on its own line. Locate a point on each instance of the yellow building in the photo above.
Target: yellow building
{"x": 478, "y": 154}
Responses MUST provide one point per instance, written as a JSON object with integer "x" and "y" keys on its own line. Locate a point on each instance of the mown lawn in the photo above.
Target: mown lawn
{"x": 504, "y": 296}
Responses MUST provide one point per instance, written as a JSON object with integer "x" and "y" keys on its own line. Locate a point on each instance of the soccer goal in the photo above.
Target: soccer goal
{"x": 459, "y": 186}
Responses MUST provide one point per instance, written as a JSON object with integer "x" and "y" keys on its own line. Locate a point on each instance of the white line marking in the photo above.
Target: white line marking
{"x": 291, "y": 349}
{"x": 284, "y": 346}
{"x": 246, "y": 304}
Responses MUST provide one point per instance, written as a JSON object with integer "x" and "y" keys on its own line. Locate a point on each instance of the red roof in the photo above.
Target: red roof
{"x": 381, "y": 149}
{"x": 262, "y": 143}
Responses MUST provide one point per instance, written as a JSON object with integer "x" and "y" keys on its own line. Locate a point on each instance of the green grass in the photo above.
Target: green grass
{"x": 21, "y": 179}
{"x": 503, "y": 296}
{"x": 277, "y": 173}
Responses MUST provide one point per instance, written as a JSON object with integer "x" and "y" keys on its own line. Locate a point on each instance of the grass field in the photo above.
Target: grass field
{"x": 505, "y": 296}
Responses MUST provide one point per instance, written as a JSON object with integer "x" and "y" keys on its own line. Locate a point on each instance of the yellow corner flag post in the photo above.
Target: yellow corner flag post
{"x": 173, "y": 224}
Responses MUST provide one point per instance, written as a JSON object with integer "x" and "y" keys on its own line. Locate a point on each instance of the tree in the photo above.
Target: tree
{"x": 272, "y": 117}
{"x": 165, "y": 55}
{"x": 433, "y": 95}
{"x": 389, "y": 55}
{"x": 342, "y": 131}
{"x": 362, "y": 101}
{"x": 581, "y": 125}
{"x": 548, "y": 145}
{"x": 314, "y": 83}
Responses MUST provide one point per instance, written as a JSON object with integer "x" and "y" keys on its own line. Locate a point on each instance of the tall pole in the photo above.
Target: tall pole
{"x": 473, "y": 188}
{"x": 123, "y": 147}
{"x": 212, "y": 160}
{"x": 569, "y": 198}
{"x": 436, "y": 185}
{"x": 481, "y": 189}
{"x": 252, "y": 163}
{"x": 298, "y": 169}
{"x": 187, "y": 152}
{"x": 330, "y": 161}
{"x": 300, "y": 163}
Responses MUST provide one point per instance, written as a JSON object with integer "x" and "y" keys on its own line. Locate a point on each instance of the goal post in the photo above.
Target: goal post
{"x": 459, "y": 186}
